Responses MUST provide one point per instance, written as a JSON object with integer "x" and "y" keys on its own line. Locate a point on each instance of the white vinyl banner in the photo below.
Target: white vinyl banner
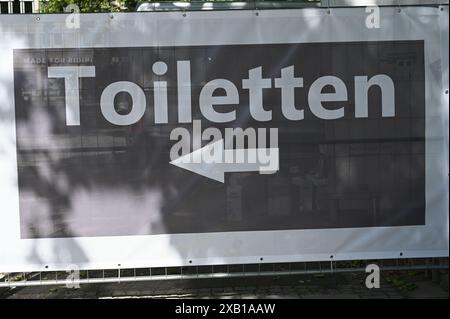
{"x": 199, "y": 138}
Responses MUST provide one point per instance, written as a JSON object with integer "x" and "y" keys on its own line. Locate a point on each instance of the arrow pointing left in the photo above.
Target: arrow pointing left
{"x": 213, "y": 161}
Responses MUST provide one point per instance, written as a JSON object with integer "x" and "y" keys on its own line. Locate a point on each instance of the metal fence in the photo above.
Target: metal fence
{"x": 214, "y": 271}
{"x": 19, "y": 279}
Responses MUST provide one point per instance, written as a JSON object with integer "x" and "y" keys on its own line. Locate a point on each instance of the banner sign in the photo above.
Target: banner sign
{"x": 163, "y": 139}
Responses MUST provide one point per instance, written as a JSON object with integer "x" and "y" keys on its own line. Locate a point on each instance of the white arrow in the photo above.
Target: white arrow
{"x": 213, "y": 161}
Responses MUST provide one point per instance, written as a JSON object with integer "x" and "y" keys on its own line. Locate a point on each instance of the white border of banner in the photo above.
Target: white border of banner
{"x": 221, "y": 28}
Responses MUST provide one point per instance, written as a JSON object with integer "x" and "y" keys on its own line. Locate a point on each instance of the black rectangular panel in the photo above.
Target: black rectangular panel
{"x": 101, "y": 179}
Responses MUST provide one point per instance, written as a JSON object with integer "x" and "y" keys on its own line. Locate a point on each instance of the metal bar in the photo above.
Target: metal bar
{"x": 223, "y": 5}
{"x": 264, "y": 5}
{"x": 397, "y": 3}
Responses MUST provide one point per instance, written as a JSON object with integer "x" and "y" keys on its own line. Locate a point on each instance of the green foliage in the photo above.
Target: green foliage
{"x": 57, "y": 6}
{"x": 400, "y": 281}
